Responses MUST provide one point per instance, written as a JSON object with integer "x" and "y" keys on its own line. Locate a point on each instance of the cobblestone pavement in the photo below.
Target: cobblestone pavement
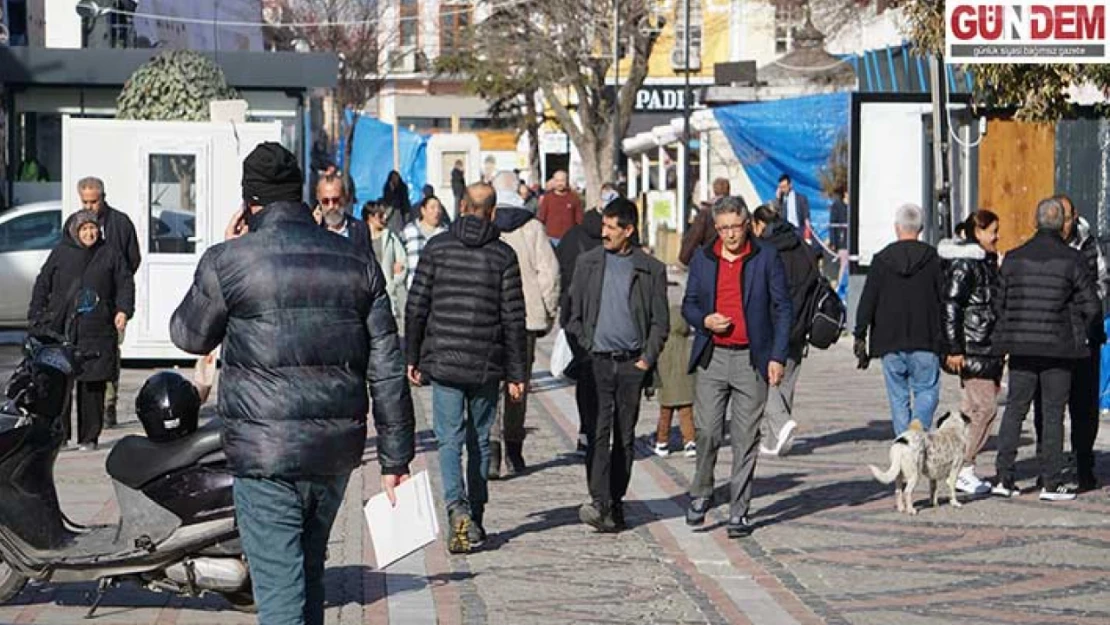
{"x": 829, "y": 547}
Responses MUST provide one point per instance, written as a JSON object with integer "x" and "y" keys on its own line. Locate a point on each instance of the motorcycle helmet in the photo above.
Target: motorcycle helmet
{"x": 168, "y": 406}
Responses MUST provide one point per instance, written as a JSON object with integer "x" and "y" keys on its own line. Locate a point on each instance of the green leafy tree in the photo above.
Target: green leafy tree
{"x": 175, "y": 85}
{"x": 1037, "y": 92}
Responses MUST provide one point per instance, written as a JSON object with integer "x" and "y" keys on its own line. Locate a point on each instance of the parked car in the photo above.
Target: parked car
{"x": 27, "y": 234}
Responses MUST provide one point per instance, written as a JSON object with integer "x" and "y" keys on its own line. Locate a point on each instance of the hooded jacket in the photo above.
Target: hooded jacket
{"x": 971, "y": 283}
{"x": 70, "y": 268}
{"x": 1047, "y": 301}
{"x": 539, "y": 269}
{"x": 577, "y": 241}
{"x": 305, "y": 324}
{"x": 118, "y": 232}
{"x": 801, "y": 276}
{"x": 465, "y": 319}
{"x": 900, "y": 304}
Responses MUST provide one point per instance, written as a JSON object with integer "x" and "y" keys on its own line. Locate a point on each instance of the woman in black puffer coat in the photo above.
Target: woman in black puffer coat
{"x": 971, "y": 283}
{"x": 82, "y": 260}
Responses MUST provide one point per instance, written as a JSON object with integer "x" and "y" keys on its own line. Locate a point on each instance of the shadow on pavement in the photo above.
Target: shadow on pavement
{"x": 346, "y": 576}
{"x": 542, "y": 521}
{"x": 820, "y": 499}
{"x": 874, "y": 431}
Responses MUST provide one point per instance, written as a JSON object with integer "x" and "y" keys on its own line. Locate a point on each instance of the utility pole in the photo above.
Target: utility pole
{"x": 942, "y": 212}
{"x": 616, "y": 33}
{"x": 683, "y": 200}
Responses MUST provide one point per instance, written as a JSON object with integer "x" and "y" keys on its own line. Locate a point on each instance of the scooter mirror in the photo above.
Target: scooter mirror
{"x": 87, "y": 300}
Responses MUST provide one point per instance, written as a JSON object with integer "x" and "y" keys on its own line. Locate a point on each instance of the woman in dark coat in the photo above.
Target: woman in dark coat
{"x": 82, "y": 260}
{"x": 971, "y": 283}
{"x": 395, "y": 195}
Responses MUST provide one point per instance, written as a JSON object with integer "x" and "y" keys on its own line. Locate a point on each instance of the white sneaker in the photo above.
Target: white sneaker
{"x": 662, "y": 450}
{"x": 784, "y": 438}
{"x": 691, "y": 449}
{"x": 968, "y": 483}
{"x": 1062, "y": 492}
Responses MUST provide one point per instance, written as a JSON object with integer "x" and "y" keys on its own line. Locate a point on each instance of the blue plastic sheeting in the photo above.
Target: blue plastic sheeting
{"x": 372, "y": 160}
{"x": 794, "y": 137}
{"x": 1104, "y": 372}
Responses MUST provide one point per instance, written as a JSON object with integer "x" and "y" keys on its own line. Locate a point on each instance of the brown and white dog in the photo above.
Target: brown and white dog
{"x": 937, "y": 455}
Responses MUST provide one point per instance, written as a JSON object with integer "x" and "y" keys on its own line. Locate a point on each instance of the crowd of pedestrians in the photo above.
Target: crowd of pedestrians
{"x": 319, "y": 312}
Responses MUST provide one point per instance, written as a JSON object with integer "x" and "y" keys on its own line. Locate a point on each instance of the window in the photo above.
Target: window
{"x": 409, "y": 24}
{"x": 788, "y": 15}
{"x": 36, "y": 231}
{"x": 678, "y": 56}
{"x": 173, "y": 203}
{"x": 454, "y": 19}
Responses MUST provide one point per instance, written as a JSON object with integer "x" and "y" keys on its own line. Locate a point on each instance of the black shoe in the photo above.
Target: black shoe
{"x": 740, "y": 527}
{"x": 1063, "y": 492}
{"x": 458, "y": 539}
{"x": 476, "y": 535}
{"x": 597, "y": 516}
{"x": 1087, "y": 483}
{"x": 695, "y": 514}
{"x": 514, "y": 459}
{"x": 1004, "y": 488}
{"x": 617, "y": 513}
{"x": 494, "y": 472}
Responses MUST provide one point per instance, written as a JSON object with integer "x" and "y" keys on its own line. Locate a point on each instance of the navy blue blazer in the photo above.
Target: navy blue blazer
{"x": 768, "y": 311}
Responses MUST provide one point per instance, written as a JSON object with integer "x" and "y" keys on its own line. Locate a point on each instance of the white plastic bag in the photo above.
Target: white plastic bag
{"x": 561, "y": 355}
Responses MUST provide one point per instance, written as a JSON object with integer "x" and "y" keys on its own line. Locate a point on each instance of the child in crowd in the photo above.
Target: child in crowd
{"x": 677, "y": 391}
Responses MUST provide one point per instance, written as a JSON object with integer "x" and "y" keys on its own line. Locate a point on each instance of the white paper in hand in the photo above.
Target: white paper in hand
{"x": 401, "y": 530}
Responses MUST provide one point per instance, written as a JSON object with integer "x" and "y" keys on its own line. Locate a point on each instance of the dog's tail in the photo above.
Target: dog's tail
{"x": 888, "y": 476}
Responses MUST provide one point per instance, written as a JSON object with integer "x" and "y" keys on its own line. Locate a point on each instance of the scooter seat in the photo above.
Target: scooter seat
{"x": 136, "y": 460}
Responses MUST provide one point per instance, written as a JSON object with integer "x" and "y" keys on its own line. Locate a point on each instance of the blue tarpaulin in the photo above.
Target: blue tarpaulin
{"x": 372, "y": 160}
{"x": 1104, "y": 372}
{"x": 793, "y": 137}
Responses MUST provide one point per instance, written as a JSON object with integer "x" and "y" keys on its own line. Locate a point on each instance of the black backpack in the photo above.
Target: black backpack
{"x": 826, "y": 316}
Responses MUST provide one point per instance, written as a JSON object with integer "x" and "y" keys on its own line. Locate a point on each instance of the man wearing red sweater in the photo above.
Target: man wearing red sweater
{"x": 561, "y": 209}
{"x": 737, "y": 298}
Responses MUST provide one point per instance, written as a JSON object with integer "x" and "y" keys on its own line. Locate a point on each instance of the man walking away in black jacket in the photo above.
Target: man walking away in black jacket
{"x": 465, "y": 333}
{"x": 900, "y": 305}
{"x": 1083, "y": 400}
{"x": 1046, "y": 305}
{"x": 619, "y": 315}
{"x": 305, "y": 323}
{"x": 118, "y": 232}
{"x": 778, "y": 424}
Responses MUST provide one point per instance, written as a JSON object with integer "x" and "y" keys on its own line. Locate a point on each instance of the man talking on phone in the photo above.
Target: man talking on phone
{"x": 305, "y": 324}
{"x": 738, "y": 299}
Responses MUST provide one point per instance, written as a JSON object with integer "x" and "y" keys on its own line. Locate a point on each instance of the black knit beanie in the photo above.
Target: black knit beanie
{"x": 271, "y": 174}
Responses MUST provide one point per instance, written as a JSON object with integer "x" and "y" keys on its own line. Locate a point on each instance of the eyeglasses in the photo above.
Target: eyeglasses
{"x": 733, "y": 227}
{"x": 331, "y": 201}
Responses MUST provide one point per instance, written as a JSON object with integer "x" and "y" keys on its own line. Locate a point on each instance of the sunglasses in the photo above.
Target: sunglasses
{"x": 331, "y": 201}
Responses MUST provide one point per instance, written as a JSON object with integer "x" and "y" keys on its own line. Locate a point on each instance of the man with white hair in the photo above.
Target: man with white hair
{"x": 901, "y": 308}
{"x": 539, "y": 274}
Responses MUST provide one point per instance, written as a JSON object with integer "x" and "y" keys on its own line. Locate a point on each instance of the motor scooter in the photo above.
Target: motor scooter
{"x": 177, "y": 530}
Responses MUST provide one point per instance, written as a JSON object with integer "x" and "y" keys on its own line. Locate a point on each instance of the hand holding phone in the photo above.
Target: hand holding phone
{"x": 238, "y": 225}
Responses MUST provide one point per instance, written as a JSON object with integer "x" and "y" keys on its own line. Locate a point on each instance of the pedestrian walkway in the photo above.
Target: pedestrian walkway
{"x": 829, "y": 547}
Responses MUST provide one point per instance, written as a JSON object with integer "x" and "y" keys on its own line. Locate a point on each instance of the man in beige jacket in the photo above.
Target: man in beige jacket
{"x": 539, "y": 273}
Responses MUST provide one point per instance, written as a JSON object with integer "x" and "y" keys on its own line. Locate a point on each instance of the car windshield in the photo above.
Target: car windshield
{"x": 35, "y": 231}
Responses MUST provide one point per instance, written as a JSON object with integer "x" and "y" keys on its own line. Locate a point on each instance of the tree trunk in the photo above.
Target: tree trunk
{"x": 597, "y": 163}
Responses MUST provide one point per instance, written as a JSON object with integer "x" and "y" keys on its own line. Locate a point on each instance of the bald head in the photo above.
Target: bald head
{"x": 479, "y": 201}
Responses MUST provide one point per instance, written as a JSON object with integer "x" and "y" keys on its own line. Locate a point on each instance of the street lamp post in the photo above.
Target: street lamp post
{"x": 683, "y": 200}
{"x": 616, "y": 90}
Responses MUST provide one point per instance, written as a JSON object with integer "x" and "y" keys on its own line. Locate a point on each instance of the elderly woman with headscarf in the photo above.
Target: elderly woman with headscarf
{"x": 82, "y": 261}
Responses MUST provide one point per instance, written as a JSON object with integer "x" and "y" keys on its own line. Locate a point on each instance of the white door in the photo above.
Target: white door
{"x": 173, "y": 225}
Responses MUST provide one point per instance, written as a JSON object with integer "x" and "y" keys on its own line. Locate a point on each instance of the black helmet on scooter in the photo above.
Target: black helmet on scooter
{"x": 168, "y": 406}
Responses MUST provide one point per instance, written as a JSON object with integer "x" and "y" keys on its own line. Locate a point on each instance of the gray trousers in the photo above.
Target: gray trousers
{"x": 730, "y": 382}
{"x": 780, "y": 401}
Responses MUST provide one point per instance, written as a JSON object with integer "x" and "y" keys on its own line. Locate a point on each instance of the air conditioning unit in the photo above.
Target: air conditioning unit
{"x": 678, "y": 59}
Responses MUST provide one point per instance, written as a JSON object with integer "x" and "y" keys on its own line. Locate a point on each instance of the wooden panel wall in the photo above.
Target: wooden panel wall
{"x": 1016, "y": 170}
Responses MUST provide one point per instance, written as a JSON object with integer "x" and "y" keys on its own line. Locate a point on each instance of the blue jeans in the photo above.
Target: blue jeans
{"x": 462, "y": 417}
{"x": 284, "y": 525}
{"x": 918, "y": 372}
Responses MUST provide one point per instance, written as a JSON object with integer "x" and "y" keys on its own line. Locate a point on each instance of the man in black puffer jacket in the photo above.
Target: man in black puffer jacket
{"x": 1046, "y": 305}
{"x": 465, "y": 328}
{"x": 305, "y": 323}
{"x": 1083, "y": 400}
